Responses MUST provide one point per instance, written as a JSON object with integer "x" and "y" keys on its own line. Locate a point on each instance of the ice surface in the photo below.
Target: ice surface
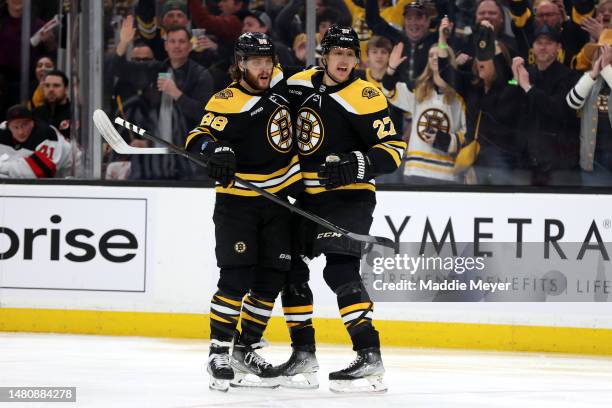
{"x": 148, "y": 372}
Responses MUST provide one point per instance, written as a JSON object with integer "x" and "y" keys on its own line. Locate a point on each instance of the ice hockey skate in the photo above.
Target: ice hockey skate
{"x": 250, "y": 369}
{"x": 219, "y": 368}
{"x": 300, "y": 371}
{"x": 363, "y": 375}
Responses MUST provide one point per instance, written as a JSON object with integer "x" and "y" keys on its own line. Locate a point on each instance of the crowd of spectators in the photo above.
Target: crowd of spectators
{"x": 493, "y": 92}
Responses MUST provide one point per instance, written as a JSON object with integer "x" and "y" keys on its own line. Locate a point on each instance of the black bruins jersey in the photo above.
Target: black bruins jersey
{"x": 338, "y": 119}
{"x": 259, "y": 129}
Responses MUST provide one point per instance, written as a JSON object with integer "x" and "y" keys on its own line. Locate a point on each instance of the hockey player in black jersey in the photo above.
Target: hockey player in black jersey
{"x": 345, "y": 138}
{"x": 246, "y": 131}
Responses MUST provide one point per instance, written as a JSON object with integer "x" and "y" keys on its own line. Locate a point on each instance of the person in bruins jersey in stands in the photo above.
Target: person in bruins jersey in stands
{"x": 246, "y": 131}
{"x": 345, "y": 138}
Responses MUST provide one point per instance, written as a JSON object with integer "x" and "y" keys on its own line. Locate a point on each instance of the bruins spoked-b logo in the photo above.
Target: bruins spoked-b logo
{"x": 309, "y": 131}
{"x": 279, "y": 130}
{"x": 430, "y": 121}
{"x": 369, "y": 92}
{"x": 240, "y": 247}
{"x": 224, "y": 94}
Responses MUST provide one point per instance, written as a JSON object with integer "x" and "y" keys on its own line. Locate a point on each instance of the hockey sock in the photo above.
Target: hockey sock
{"x": 341, "y": 274}
{"x": 224, "y": 313}
{"x": 356, "y": 312}
{"x": 256, "y": 312}
{"x": 297, "y": 307}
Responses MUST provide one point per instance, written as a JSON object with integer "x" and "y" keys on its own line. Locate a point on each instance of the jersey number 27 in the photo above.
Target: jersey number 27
{"x": 384, "y": 127}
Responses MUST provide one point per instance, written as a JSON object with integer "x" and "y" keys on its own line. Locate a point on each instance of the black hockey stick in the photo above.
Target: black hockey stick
{"x": 114, "y": 139}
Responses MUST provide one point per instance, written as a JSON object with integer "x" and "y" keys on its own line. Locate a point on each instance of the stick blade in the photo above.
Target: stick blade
{"x": 109, "y": 133}
{"x": 116, "y": 142}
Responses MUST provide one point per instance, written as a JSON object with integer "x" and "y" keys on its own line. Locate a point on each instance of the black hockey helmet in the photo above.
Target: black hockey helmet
{"x": 340, "y": 37}
{"x": 254, "y": 45}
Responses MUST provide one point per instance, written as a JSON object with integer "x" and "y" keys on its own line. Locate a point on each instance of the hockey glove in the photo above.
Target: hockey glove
{"x": 344, "y": 169}
{"x": 221, "y": 161}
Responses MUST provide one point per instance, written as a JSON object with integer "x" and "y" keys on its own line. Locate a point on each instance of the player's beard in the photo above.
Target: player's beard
{"x": 254, "y": 81}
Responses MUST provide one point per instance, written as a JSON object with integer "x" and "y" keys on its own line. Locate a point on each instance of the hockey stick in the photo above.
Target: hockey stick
{"x": 114, "y": 139}
{"x": 110, "y": 134}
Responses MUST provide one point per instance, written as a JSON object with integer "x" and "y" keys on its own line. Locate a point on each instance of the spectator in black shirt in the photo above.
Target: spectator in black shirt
{"x": 182, "y": 87}
{"x": 525, "y": 23}
{"x": 416, "y": 37}
{"x": 492, "y": 105}
{"x": 493, "y": 12}
{"x": 549, "y": 126}
{"x": 56, "y": 107}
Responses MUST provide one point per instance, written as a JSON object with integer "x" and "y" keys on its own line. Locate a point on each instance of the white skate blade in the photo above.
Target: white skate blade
{"x": 303, "y": 381}
{"x": 216, "y": 384}
{"x": 371, "y": 384}
{"x": 248, "y": 380}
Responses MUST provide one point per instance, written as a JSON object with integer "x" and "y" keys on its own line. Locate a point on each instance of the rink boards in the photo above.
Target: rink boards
{"x": 140, "y": 261}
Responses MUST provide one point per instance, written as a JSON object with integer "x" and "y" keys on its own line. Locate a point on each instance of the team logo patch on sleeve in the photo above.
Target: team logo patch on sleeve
{"x": 369, "y": 92}
{"x": 280, "y": 130}
{"x": 224, "y": 94}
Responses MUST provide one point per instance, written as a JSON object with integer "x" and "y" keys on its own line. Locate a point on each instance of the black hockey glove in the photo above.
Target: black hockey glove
{"x": 344, "y": 169}
{"x": 221, "y": 161}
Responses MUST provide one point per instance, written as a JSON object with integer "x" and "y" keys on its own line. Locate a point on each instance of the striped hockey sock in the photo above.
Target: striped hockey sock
{"x": 356, "y": 311}
{"x": 224, "y": 314}
{"x": 356, "y": 314}
{"x": 255, "y": 315}
{"x": 297, "y": 307}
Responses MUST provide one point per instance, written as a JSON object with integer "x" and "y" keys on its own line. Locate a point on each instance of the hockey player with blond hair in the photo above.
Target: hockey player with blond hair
{"x": 345, "y": 138}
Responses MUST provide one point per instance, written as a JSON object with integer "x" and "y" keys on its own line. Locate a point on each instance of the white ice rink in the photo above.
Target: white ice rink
{"x": 147, "y": 372}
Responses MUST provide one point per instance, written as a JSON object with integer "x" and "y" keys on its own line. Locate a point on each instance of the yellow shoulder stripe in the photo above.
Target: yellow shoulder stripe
{"x": 231, "y": 100}
{"x": 361, "y": 98}
{"x": 302, "y": 76}
{"x": 277, "y": 76}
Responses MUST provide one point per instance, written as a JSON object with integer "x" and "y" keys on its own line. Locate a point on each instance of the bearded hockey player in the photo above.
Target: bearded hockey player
{"x": 247, "y": 131}
{"x": 345, "y": 138}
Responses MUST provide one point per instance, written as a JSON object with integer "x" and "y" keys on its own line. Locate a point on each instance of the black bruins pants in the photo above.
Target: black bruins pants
{"x": 341, "y": 272}
{"x": 252, "y": 231}
{"x": 253, "y": 248}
